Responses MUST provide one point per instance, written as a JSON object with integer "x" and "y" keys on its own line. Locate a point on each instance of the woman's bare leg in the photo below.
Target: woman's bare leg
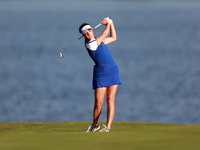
{"x": 99, "y": 98}
{"x": 110, "y": 99}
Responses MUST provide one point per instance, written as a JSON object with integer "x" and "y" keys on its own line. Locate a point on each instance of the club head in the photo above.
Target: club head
{"x": 61, "y": 55}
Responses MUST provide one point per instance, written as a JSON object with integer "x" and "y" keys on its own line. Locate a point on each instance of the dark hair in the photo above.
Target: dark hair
{"x": 82, "y": 27}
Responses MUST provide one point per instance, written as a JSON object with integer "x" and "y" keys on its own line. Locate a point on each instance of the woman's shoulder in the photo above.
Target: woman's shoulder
{"x": 91, "y": 44}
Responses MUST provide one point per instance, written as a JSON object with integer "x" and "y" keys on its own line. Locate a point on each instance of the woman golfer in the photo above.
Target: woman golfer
{"x": 105, "y": 73}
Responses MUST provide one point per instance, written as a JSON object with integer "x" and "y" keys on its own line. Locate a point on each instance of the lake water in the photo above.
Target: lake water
{"x": 157, "y": 52}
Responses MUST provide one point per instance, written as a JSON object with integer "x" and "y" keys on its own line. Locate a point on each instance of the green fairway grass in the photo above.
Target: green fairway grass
{"x": 124, "y": 135}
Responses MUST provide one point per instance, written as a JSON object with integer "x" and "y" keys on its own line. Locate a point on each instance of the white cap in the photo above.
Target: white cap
{"x": 83, "y": 30}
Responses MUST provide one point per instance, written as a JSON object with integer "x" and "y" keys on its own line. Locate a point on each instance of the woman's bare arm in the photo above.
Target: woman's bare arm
{"x": 106, "y": 31}
{"x": 113, "y": 36}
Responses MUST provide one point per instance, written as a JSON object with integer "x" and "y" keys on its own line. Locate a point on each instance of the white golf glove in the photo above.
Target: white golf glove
{"x": 109, "y": 19}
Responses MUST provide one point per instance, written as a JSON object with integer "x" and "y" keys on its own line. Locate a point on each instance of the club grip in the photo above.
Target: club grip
{"x": 97, "y": 26}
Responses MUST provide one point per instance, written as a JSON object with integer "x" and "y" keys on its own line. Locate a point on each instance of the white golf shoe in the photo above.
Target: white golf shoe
{"x": 105, "y": 129}
{"x": 93, "y": 128}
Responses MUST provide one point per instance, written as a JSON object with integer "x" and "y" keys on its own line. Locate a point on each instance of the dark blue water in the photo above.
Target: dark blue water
{"x": 157, "y": 52}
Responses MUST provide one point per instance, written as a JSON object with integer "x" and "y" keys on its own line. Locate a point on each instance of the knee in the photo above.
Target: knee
{"x": 110, "y": 100}
{"x": 98, "y": 104}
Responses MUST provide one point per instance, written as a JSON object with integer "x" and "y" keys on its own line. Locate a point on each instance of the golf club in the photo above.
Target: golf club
{"x": 61, "y": 54}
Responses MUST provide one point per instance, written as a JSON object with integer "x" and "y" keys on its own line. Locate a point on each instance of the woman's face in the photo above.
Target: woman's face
{"x": 89, "y": 35}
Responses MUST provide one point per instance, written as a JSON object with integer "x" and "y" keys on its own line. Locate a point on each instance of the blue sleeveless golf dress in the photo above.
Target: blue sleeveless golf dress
{"x": 105, "y": 71}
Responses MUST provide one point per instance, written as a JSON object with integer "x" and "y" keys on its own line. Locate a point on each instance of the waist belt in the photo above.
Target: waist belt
{"x": 104, "y": 64}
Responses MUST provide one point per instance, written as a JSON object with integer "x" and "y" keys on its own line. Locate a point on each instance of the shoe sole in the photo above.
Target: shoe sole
{"x": 104, "y": 131}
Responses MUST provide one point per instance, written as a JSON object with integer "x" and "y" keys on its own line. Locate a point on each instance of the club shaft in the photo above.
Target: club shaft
{"x": 72, "y": 43}
{"x": 79, "y": 38}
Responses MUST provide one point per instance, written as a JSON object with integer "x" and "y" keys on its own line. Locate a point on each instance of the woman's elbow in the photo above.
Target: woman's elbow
{"x": 115, "y": 38}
